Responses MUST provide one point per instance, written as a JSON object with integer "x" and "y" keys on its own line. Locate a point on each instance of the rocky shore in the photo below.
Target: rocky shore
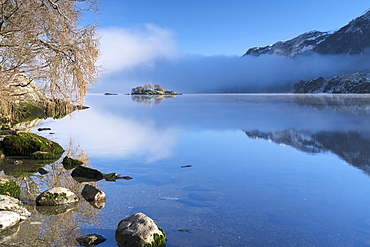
{"x": 18, "y": 147}
{"x": 24, "y": 157}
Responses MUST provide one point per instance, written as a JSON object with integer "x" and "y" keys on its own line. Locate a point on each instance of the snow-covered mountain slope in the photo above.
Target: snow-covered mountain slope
{"x": 353, "y": 38}
{"x": 299, "y": 45}
{"x": 358, "y": 83}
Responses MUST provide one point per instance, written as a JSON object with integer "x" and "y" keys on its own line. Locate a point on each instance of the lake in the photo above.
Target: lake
{"x": 225, "y": 170}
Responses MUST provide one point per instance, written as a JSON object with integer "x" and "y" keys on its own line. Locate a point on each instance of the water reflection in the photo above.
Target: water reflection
{"x": 352, "y": 146}
{"x": 352, "y": 104}
{"x": 149, "y": 100}
{"x": 280, "y": 195}
{"x": 48, "y": 226}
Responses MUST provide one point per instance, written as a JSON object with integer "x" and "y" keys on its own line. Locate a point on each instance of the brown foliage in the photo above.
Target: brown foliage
{"x": 42, "y": 40}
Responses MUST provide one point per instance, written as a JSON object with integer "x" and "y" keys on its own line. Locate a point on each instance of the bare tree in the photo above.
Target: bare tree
{"x": 41, "y": 40}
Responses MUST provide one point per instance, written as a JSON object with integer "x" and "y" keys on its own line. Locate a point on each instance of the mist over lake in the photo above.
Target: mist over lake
{"x": 229, "y": 170}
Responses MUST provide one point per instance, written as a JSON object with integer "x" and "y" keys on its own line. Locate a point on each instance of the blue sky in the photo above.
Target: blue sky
{"x": 214, "y": 27}
{"x": 184, "y": 44}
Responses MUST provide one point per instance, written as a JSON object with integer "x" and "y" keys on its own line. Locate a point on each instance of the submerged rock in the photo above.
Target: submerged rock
{"x": 56, "y": 196}
{"x": 92, "y": 193}
{"x": 70, "y": 162}
{"x": 91, "y": 239}
{"x": 114, "y": 176}
{"x": 139, "y": 230}
{"x": 86, "y": 174}
{"x": 8, "y": 203}
{"x": 30, "y": 144}
{"x": 42, "y": 171}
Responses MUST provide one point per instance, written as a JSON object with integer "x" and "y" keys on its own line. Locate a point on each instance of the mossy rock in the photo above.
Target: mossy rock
{"x": 86, "y": 174}
{"x": 70, "y": 162}
{"x": 9, "y": 187}
{"x": 27, "y": 144}
{"x": 56, "y": 196}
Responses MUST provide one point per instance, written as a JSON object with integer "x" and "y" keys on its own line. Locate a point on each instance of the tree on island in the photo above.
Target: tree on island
{"x": 42, "y": 41}
{"x": 149, "y": 89}
{"x": 148, "y": 86}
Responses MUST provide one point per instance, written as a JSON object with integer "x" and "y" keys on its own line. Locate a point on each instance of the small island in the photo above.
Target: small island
{"x": 149, "y": 89}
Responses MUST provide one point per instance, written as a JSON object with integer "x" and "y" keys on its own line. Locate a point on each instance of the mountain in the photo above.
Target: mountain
{"x": 358, "y": 83}
{"x": 353, "y": 38}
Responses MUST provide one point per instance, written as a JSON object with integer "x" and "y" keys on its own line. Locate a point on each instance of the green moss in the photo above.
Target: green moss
{"x": 56, "y": 196}
{"x": 40, "y": 155}
{"x": 26, "y": 144}
{"x": 159, "y": 240}
{"x": 10, "y": 188}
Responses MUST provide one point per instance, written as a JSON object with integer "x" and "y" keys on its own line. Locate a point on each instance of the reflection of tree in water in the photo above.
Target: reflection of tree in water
{"x": 149, "y": 100}
{"x": 52, "y": 226}
{"x": 351, "y": 146}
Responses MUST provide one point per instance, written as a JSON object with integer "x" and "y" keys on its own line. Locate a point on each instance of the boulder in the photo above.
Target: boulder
{"x": 8, "y": 219}
{"x": 32, "y": 145}
{"x": 86, "y": 174}
{"x": 70, "y": 162}
{"x": 91, "y": 239}
{"x": 9, "y": 187}
{"x": 139, "y": 230}
{"x": 92, "y": 193}
{"x": 56, "y": 196}
{"x": 8, "y": 203}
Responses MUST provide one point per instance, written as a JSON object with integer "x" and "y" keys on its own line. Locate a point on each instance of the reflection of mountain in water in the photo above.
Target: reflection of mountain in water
{"x": 351, "y": 146}
{"x": 354, "y": 104}
{"x": 149, "y": 100}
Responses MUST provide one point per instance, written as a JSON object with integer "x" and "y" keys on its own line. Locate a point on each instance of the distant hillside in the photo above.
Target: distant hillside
{"x": 353, "y": 38}
{"x": 358, "y": 83}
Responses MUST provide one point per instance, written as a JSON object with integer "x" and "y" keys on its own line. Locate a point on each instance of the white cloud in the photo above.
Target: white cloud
{"x": 126, "y": 48}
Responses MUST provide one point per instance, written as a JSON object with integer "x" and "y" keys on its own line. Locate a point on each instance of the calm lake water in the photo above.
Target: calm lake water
{"x": 233, "y": 170}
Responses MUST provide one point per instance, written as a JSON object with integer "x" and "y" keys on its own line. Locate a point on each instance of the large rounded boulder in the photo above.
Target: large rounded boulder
{"x": 139, "y": 230}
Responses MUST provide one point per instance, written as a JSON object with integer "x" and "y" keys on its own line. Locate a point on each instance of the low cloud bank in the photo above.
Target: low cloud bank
{"x": 148, "y": 53}
{"x": 221, "y": 74}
